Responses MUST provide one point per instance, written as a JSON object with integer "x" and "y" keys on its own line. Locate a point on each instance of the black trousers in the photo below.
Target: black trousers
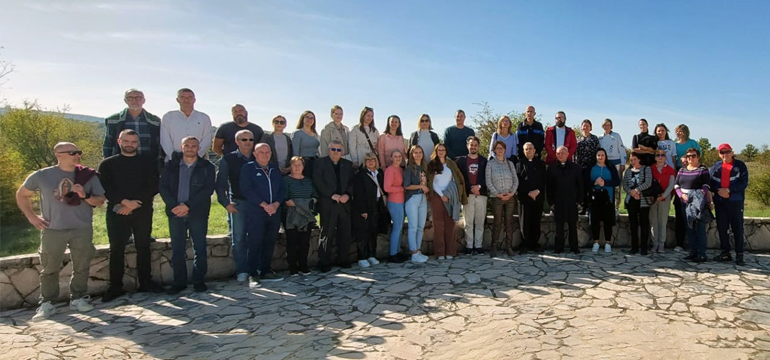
{"x": 602, "y": 214}
{"x": 366, "y": 234}
{"x": 530, "y": 214}
{"x": 335, "y": 226}
{"x": 559, "y": 240}
{"x": 681, "y": 222}
{"x": 639, "y": 221}
{"x": 119, "y": 229}
{"x": 297, "y": 246}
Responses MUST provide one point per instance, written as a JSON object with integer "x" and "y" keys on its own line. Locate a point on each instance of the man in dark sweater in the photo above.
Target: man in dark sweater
{"x": 224, "y": 139}
{"x": 455, "y": 137}
{"x": 130, "y": 181}
{"x": 530, "y": 130}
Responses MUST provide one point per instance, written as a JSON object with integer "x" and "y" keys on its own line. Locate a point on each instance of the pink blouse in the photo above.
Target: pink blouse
{"x": 394, "y": 184}
{"x": 385, "y": 146}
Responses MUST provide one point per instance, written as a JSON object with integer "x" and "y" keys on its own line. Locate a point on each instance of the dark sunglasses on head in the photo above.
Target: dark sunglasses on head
{"x": 335, "y": 149}
{"x": 279, "y": 122}
{"x": 71, "y": 152}
{"x": 660, "y": 155}
{"x": 247, "y": 139}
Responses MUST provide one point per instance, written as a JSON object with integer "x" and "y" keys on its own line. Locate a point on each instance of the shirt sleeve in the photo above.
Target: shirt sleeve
{"x": 206, "y": 141}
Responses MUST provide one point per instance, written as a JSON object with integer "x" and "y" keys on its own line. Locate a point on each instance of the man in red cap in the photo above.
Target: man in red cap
{"x": 730, "y": 177}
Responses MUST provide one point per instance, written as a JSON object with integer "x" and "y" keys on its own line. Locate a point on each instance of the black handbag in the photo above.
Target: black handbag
{"x": 600, "y": 196}
{"x": 654, "y": 190}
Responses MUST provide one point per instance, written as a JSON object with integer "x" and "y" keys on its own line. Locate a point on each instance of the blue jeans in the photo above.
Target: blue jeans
{"x": 197, "y": 227}
{"x": 416, "y": 213}
{"x": 238, "y": 231}
{"x": 397, "y": 215}
{"x": 262, "y": 235}
{"x": 696, "y": 235}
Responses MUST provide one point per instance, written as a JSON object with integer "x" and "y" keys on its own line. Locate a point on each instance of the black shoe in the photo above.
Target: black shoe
{"x": 112, "y": 294}
{"x": 558, "y": 251}
{"x": 344, "y": 265}
{"x": 468, "y": 251}
{"x": 479, "y": 251}
{"x": 324, "y": 268}
{"x": 690, "y": 257}
{"x": 270, "y": 277}
{"x": 523, "y": 251}
{"x": 396, "y": 259}
{"x": 304, "y": 271}
{"x": 576, "y": 252}
{"x": 200, "y": 287}
{"x": 739, "y": 260}
{"x": 724, "y": 256}
{"x": 644, "y": 252}
{"x": 151, "y": 287}
{"x": 176, "y": 289}
{"x": 152, "y": 239}
{"x": 700, "y": 259}
{"x": 633, "y": 251}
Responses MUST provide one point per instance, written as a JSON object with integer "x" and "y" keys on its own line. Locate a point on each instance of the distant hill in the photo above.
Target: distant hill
{"x": 80, "y": 117}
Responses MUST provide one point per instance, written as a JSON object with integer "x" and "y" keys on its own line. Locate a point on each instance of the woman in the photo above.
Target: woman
{"x": 693, "y": 189}
{"x": 644, "y": 131}
{"x": 637, "y": 179}
{"x": 415, "y": 201}
{"x": 368, "y": 209}
{"x": 585, "y": 156}
{"x": 603, "y": 179}
{"x": 424, "y": 136}
{"x": 335, "y": 130}
{"x": 363, "y": 137}
{"x": 446, "y": 196}
{"x": 300, "y": 216}
{"x": 280, "y": 145}
{"x": 683, "y": 142}
{"x": 666, "y": 144}
{"x": 392, "y": 139}
{"x": 394, "y": 187}
{"x": 612, "y": 142}
{"x": 665, "y": 176}
{"x": 502, "y": 183}
{"x": 504, "y": 134}
{"x": 305, "y": 142}
{"x": 644, "y": 144}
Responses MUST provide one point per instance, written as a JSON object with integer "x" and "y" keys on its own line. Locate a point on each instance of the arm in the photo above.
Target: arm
{"x": 112, "y": 192}
{"x": 514, "y": 177}
{"x": 669, "y": 188}
{"x": 165, "y": 137}
{"x": 349, "y": 190}
{"x": 353, "y": 144}
{"x": 206, "y": 141}
{"x": 622, "y": 149}
{"x": 490, "y": 184}
{"x": 627, "y": 181}
{"x": 646, "y": 179}
{"x": 550, "y": 149}
{"x": 412, "y": 138}
{"x": 492, "y": 141}
{"x": 278, "y": 181}
{"x": 325, "y": 191}
{"x": 381, "y": 149}
{"x": 249, "y": 186}
{"x": 219, "y": 146}
{"x": 390, "y": 179}
{"x": 222, "y": 185}
{"x": 579, "y": 184}
{"x": 323, "y": 148}
{"x": 571, "y": 143}
{"x": 742, "y": 182}
{"x": 615, "y": 181}
{"x": 408, "y": 181}
{"x": 296, "y": 141}
{"x": 24, "y": 201}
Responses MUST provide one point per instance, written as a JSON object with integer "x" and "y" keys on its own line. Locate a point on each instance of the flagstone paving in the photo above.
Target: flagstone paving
{"x": 541, "y": 306}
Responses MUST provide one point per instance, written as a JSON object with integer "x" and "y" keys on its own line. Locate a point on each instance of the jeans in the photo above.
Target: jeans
{"x": 696, "y": 235}
{"x": 730, "y": 214}
{"x": 658, "y": 221}
{"x": 52, "y": 246}
{"x": 474, "y": 215}
{"x": 416, "y": 214}
{"x": 178, "y": 228}
{"x": 397, "y": 215}
{"x": 239, "y": 239}
{"x": 262, "y": 235}
{"x": 119, "y": 228}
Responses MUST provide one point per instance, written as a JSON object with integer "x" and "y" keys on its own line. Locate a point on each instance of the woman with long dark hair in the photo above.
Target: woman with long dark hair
{"x": 390, "y": 140}
{"x": 635, "y": 180}
{"x": 304, "y": 141}
{"x": 363, "y": 137}
{"x": 415, "y": 201}
{"x": 602, "y": 180}
{"x": 446, "y": 197}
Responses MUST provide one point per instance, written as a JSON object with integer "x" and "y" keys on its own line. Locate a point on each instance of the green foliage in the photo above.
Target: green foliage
{"x": 759, "y": 184}
{"x": 750, "y": 152}
{"x": 485, "y": 124}
{"x": 709, "y": 155}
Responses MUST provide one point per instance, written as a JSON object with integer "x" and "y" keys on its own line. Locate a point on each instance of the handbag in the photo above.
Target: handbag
{"x": 654, "y": 190}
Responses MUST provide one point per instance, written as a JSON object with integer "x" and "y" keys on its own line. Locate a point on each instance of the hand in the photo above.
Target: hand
{"x": 684, "y": 197}
{"x": 131, "y": 205}
{"x": 444, "y": 198}
{"x": 425, "y": 189}
{"x": 336, "y": 197}
{"x": 124, "y": 211}
{"x": 723, "y": 192}
{"x": 38, "y": 222}
{"x": 660, "y": 199}
{"x": 78, "y": 189}
{"x": 344, "y": 198}
{"x": 180, "y": 210}
{"x": 365, "y": 215}
{"x": 290, "y": 203}
{"x": 476, "y": 189}
{"x": 599, "y": 182}
{"x": 231, "y": 208}
{"x": 533, "y": 194}
{"x": 622, "y": 168}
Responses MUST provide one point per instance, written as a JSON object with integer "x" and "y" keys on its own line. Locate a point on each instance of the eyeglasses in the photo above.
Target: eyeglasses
{"x": 71, "y": 152}
{"x": 424, "y": 120}
{"x": 725, "y": 152}
{"x": 134, "y": 97}
{"x": 247, "y": 140}
{"x": 279, "y": 122}
{"x": 335, "y": 149}
{"x": 660, "y": 155}
{"x": 691, "y": 156}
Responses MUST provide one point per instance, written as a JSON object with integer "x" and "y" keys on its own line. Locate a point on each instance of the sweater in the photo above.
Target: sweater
{"x": 394, "y": 184}
{"x": 455, "y": 141}
{"x": 129, "y": 177}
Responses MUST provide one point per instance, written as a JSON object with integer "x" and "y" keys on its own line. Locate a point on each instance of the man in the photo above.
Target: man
{"x": 333, "y": 179}
{"x": 474, "y": 168}
{"x": 68, "y": 193}
{"x": 133, "y": 117}
{"x": 530, "y": 130}
{"x": 532, "y": 181}
{"x": 179, "y": 124}
{"x": 230, "y": 196}
{"x": 730, "y": 177}
{"x": 186, "y": 185}
{"x": 262, "y": 187}
{"x": 559, "y": 135}
{"x": 224, "y": 140}
{"x": 455, "y": 137}
{"x": 565, "y": 192}
{"x": 130, "y": 183}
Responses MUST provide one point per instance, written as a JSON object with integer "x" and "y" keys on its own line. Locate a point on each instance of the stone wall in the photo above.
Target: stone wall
{"x": 19, "y": 275}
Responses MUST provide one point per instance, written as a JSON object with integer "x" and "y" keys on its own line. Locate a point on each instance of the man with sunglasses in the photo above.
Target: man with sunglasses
{"x": 230, "y": 196}
{"x": 730, "y": 177}
{"x": 224, "y": 139}
{"x": 136, "y": 118}
{"x": 68, "y": 194}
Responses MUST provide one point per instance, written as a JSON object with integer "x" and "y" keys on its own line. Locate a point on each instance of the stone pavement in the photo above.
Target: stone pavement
{"x": 545, "y": 306}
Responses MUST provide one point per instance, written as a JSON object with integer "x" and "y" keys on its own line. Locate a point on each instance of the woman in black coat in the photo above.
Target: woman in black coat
{"x": 369, "y": 210}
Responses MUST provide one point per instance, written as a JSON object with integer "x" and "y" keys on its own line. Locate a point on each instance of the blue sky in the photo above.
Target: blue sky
{"x": 703, "y": 63}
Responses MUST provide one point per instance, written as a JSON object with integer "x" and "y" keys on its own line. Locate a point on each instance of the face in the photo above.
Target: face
{"x": 186, "y": 100}
{"x": 530, "y": 113}
{"x": 726, "y": 155}
{"x": 368, "y": 117}
{"x": 69, "y": 155}
{"x": 335, "y": 152}
{"x": 337, "y": 115}
{"x": 679, "y": 133}
{"x": 586, "y": 127}
{"x": 607, "y": 127}
{"x": 660, "y": 132}
{"x": 371, "y": 163}
{"x": 660, "y": 157}
{"x": 134, "y": 100}
{"x": 396, "y": 157}
{"x": 309, "y": 120}
{"x": 441, "y": 152}
{"x": 460, "y": 118}
{"x": 394, "y": 124}
{"x": 683, "y": 160}
{"x": 279, "y": 123}
{"x": 240, "y": 115}
{"x": 634, "y": 161}
{"x": 245, "y": 142}
{"x": 560, "y": 120}
{"x": 529, "y": 151}
{"x": 562, "y": 154}
{"x": 425, "y": 123}
{"x": 417, "y": 154}
{"x": 693, "y": 159}
{"x": 262, "y": 153}
{"x": 473, "y": 147}
{"x": 505, "y": 124}
{"x": 499, "y": 150}
{"x": 297, "y": 168}
{"x": 128, "y": 143}
{"x": 643, "y": 127}
{"x": 601, "y": 157}
{"x": 190, "y": 148}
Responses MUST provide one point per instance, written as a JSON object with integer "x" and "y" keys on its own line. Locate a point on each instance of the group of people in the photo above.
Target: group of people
{"x": 362, "y": 183}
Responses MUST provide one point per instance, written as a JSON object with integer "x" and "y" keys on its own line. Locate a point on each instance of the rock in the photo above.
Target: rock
{"x": 9, "y": 297}
{"x": 26, "y": 281}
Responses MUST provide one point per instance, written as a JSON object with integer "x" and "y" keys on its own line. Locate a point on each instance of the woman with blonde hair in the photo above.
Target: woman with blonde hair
{"x": 424, "y": 136}
{"x": 505, "y": 134}
{"x": 335, "y": 130}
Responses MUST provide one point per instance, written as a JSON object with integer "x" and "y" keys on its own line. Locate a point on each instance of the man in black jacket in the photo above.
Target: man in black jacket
{"x": 532, "y": 180}
{"x": 565, "y": 192}
{"x": 474, "y": 168}
{"x": 530, "y": 130}
{"x": 186, "y": 185}
{"x": 333, "y": 179}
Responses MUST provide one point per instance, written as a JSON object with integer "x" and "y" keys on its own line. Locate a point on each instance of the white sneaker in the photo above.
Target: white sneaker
{"x": 449, "y": 257}
{"x": 422, "y": 255}
{"x": 441, "y": 258}
{"x": 595, "y": 249}
{"x": 254, "y": 282}
{"x": 607, "y": 248}
{"x": 82, "y": 304}
{"x": 372, "y": 261}
{"x": 416, "y": 258}
{"x": 242, "y": 277}
{"x": 363, "y": 263}
{"x": 45, "y": 311}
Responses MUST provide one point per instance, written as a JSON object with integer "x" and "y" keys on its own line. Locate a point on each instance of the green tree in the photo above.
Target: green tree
{"x": 709, "y": 154}
{"x": 485, "y": 124}
{"x": 750, "y": 152}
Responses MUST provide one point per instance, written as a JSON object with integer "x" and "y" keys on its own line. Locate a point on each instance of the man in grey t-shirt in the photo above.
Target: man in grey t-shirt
{"x": 68, "y": 193}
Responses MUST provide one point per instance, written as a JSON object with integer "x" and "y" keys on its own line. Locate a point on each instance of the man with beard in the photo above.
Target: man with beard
{"x": 474, "y": 168}
{"x": 130, "y": 182}
{"x": 224, "y": 140}
{"x": 559, "y": 135}
{"x": 134, "y": 117}
{"x": 530, "y": 130}
{"x": 564, "y": 193}
{"x": 532, "y": 176}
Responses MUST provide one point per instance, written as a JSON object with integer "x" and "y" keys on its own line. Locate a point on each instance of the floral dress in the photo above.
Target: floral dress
{"x": 585, "y": 156}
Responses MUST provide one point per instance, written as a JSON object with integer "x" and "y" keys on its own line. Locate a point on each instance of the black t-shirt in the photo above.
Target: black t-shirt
{"x": 227, "y": 133}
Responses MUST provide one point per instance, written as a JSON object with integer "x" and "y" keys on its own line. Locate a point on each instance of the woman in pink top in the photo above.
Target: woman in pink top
{"x": 390, "y": 140}
{"x": 394, "y": 186}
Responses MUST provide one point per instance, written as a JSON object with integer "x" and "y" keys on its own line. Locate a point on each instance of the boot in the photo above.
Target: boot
{"x": 739, "y": 259}
{"x": 509, "y": 247}
{"x": 493, "y": 250}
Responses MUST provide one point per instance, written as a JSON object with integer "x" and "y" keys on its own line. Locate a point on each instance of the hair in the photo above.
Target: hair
{"x": 635, "y": 154}
{"x": 186, "y": 138}
{"x": 297, "y": 159}
{"x": 527, "y": 143}
{"x": 589, "y": 123}
{"x": 562, "y": 147}
{"x": 473, "y": 138}
{"x": 664, "y": 127}
{"x": 394, "y": 151}
{"x": 411, "y": 163}
{"x": 500, "y": 124}
{"x": 399, "y": 132}
{"x": 685, "y": 131}
{"x": 184, "y": 90}
{"x": 301, "y": 122}
{"x": 278, "y": 117}
{"x": 563, "y": 113}
{"x": 132, "y": 90}
{"x": 244, "y": 131}
{"x": 361, "y": 119}
{"x": 435, "y": 165}
{"x": 500, "y": 142}
{"x": 237, "y": 105}
{"x": 607, "y": 121}
{"x": 368, "y": 156}
{"x": 335, "y": 108}
{"x": 692, "y": 149}
{"x": 597, "y": 153}
{"x": 644, "y": 121}
{"x": 430, "y": 122}
{"x": 459, "y": 111}
{"x": 336, "y": 142}
{"x": 127, "y": 132}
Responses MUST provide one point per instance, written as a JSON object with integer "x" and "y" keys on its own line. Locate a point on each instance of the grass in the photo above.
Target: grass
{"x": 23, "y": 238}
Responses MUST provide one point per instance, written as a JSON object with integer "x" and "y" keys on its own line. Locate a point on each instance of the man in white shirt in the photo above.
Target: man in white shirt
{"x": 179, "y": 124}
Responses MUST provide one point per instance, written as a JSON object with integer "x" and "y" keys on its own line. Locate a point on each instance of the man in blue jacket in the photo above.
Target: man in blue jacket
{"x": 186, "y": 185}
{"x": 730, "y": 177}
{"x": 261, "y": 185}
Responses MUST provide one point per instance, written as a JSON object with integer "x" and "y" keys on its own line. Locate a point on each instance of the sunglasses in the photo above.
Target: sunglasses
{"x": 424, "y": 120}
{"x": 71, "y": 152}
{"x": 248, "y": 140}
{"x": 279, "y": 122}
{"x": 725, "y": 152}
{"x": 660, "y": 155}
{"x": 691, "y": 156}
{"x": 335, "y": 149}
